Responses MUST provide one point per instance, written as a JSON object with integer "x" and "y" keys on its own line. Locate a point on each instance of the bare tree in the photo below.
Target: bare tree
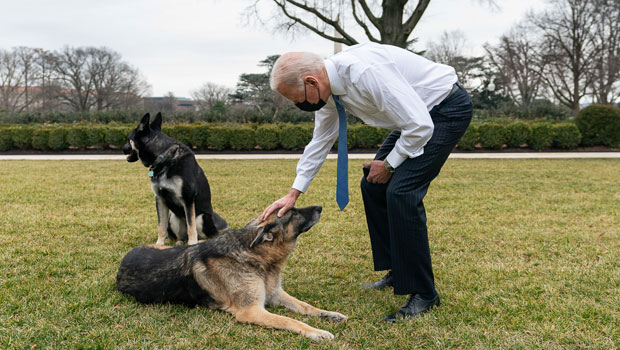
{"x": 606, "y": 79}
{"x": 518, "y": 61}
{"x": 45, "y": 95}
{"x": 26, "y": 57}
{"x": 569, "y": 49}
{"x": 450, "y": 50}
{"x": 96, "y": 78}
{"x": 116, "y": 84}
{"x": 450, "y": 45}
{"x": 209, "y": 94}
{"x": 11, "y": 80}
{"x": 71, "y": 66}
{"x": 390, "y": 22}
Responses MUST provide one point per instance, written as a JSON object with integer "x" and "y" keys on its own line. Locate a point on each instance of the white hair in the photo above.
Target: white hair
{"x": 291, "y": 68}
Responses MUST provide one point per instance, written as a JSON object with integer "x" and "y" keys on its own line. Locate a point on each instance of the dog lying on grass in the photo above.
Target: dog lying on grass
{"x": 238, "y": 271}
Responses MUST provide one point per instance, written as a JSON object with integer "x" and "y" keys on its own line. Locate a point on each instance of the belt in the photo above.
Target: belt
{"x": 455, "y": 88}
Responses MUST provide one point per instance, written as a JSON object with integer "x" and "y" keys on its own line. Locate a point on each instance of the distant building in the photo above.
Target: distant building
{"x": 170, "y": 104}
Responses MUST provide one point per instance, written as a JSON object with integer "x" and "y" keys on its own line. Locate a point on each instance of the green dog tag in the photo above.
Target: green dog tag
{"x": 150, "y": 173}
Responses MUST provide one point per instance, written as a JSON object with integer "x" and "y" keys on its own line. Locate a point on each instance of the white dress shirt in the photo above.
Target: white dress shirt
{"x": 385, "y": 86}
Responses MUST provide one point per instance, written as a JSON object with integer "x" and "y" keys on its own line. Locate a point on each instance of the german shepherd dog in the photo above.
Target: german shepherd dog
{"x": 238, "y": 271}
{"x": 179, "y": 184}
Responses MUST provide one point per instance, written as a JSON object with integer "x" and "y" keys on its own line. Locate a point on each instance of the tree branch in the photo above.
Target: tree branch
{"x": 346, "y": 38}
{"x": 362, "y": 24}
{"x": 413, "y": 20}
{"x": 374, "y": 20}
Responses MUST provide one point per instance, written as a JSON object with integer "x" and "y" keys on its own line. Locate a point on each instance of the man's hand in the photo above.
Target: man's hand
{"x": 284, "y": 204}
{"x": 378, "y": 174}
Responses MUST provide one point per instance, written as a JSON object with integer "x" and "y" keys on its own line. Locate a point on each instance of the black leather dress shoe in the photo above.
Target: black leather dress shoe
{"x": 414, "y": 307}
{"x": 386, "y": 281}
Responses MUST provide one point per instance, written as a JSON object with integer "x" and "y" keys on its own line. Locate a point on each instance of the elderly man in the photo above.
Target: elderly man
{"x": 428, "y": 111}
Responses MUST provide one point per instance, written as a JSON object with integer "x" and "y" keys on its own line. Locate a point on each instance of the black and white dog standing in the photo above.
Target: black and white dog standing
{"x": 179, "y": 184}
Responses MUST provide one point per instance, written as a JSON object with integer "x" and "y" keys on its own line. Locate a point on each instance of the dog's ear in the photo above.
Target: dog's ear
{"x": 263, "y": 234}
{"x": 156, "y": 124}
{"x": 144, "y": 123}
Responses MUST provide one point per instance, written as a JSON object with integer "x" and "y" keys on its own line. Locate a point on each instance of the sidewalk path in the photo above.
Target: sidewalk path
{"x": 524, "y": 155}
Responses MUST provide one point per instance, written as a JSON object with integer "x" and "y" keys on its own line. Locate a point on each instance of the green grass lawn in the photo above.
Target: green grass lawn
{"x": 526, "y": 255}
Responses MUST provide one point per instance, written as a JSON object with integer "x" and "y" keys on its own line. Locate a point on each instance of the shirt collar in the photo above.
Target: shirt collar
{"x": 335, "y": 83}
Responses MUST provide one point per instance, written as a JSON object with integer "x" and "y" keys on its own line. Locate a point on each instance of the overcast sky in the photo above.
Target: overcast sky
{"x": 180, "y": 44}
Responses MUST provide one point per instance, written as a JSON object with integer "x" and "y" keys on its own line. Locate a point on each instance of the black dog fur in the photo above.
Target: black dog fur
{"x": 179, "y": 184}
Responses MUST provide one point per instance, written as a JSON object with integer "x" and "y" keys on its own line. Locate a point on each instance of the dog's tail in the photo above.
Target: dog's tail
{"x": 219, "y": 222}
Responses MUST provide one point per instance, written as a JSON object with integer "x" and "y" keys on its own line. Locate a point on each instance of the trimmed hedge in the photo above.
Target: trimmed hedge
{"x": 600, "y": 125}
{"x": 267, "y": 136}
{"x": 6, "y": 139}
{"x": 518, "y": 134}
{"x": 492, "y": 135}
{"x": 57, "y": 139}
{"x": 22, "y": 137}
{"x": 218, "y": 138}
{"x": 541, "y": 136}
{"x": 39, "y": 138}
{"x": 469, "y": 140}
{"x": 566, "y": 136}
{"x": 293, "y": 137}
{"x": 244, "y": 137}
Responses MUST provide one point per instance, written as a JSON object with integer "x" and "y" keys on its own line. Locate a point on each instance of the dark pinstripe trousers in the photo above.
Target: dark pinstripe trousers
{"x": 395, "y": 210}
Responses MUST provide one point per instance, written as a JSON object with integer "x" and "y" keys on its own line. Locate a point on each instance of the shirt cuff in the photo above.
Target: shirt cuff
{"x": 395, "y": 159}
{"x": 301, "y": 183}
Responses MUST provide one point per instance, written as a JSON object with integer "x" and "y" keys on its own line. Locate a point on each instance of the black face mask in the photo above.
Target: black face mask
{"x": 310, "y": 107}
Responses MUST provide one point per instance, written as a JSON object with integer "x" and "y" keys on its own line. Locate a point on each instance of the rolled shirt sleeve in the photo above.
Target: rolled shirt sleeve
{"x": 323, "y": 138}
{"x": 394, "y": 96}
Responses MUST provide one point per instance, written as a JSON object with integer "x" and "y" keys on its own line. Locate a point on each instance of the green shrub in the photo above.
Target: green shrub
{"x": 6, "y": 139}
{"x": 40, "y": 137}
{"x": 95, "y": 136}
{"x": 469, "y": 140}
{"x": 267, "y": 136}
{"x": 365, "y": 136}
{"x": 22, "y": 137}
{"x": 219, "y": 137}
{"x": 492, "y": 135}
{"x": 293, "y": 137}
{"x": 599, "y": 125}
{"x": 199, "y": 136}
{"x": 116, "y": 136}
{"x": 77, "y": 136}
{"x": 566, "y": 135}
{"x": 57, "y": 138}
{"x": 518, "y": 134}
{"x": 541, "y": 136}
{"x": 242, "y": 138}
{"x": 181, "y": 133}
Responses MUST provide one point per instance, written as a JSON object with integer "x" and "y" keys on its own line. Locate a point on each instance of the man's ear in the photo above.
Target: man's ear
{"x": 144, "y": 123}
{"x": 262, "y": 235}
{"x": 156, "y": 124}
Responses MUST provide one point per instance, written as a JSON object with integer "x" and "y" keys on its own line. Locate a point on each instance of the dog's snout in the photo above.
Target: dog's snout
{"x": 318, "y": 208}
{"x": 126, "y": 148}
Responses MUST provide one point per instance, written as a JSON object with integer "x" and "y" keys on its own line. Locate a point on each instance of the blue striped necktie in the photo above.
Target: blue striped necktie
{"x": 342, "y": 175}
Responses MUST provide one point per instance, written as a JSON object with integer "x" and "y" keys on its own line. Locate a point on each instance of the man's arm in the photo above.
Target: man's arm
{"x": 393, "y": 95}
{"x": 323, "y": 138}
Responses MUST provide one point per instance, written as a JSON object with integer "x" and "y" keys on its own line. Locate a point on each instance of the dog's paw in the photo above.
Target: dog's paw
{"x": 333, "y": 316}
{"x": 192, "y": 242}
{"x": 319, "y": 335}
{"x": 160, "y": 242}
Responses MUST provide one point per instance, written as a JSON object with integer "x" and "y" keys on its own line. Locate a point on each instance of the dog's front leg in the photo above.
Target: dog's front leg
{"x": 283, "y": 298}
{"x": 190, "y": 219}
{"x": 258, "y": 315}
{"x": 162, "y": 220}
